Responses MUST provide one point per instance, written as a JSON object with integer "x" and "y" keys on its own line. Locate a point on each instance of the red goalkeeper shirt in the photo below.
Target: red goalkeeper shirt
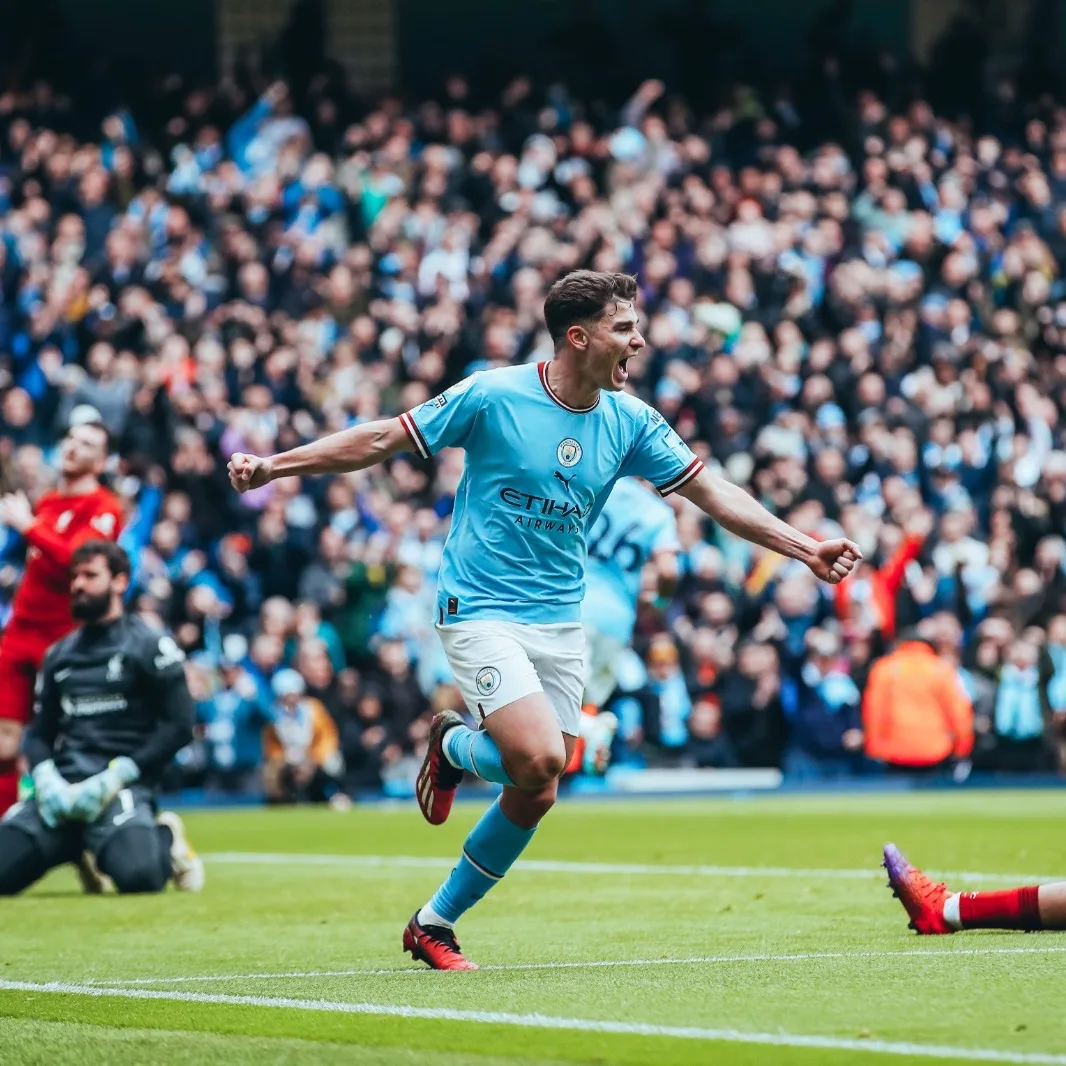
{"x": 62, "y": 524}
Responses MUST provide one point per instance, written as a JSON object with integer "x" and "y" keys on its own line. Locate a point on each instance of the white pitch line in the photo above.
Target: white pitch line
{"x": 542, "y": 1021}
{"x": 419, "y": 862}
{"x": 694, "y": 960}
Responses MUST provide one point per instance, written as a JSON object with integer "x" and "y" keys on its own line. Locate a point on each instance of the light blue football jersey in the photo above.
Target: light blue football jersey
{"x": 633, "y": 524}
{"x": 537, "y": 474}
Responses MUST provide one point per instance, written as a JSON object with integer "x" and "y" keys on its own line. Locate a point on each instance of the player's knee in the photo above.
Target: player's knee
{"x": 137, "y": 875}
{"x": 10, "y": 883}
{"x": 20, "y": 862}
{"x": 12, "y": 879}
{"x": 134, "y": 865}
{"x": 536, "y": 770}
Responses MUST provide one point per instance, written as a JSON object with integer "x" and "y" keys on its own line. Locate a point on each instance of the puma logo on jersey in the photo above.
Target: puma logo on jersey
{"x": 114, "y": 668}
{"x": 565, "y": 480}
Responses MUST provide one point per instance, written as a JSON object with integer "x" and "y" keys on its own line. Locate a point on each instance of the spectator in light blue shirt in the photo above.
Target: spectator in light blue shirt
{"x": 666, "y": 681}
{"x": 1020, "y": 714}
{"x": 232, "y": 719}
{"x": 1056, "y": 649}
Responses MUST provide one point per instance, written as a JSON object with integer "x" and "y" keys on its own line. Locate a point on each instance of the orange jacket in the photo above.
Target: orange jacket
{"x": 915, "y": 711}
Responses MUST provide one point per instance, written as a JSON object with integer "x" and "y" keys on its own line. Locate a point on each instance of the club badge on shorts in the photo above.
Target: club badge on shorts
{"x": 487, "y": 680}
{"x": 569, "y": 452}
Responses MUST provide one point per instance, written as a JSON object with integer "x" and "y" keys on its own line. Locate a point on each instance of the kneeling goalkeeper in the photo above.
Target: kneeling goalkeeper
{"x": 112, "y": 710}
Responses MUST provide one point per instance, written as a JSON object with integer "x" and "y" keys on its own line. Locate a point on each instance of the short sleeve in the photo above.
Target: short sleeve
{"x": 659, "y": 455}
{"x": 447, "y": 420}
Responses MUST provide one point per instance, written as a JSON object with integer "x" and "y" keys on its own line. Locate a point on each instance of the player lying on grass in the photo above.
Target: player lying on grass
{"x": 934, "y": 909}
{"x": 544, "y": 445}
{"x": 112, "y": 711}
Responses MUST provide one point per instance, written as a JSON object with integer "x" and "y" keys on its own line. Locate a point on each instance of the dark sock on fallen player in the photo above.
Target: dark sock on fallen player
{"x": 1014, "y": 908}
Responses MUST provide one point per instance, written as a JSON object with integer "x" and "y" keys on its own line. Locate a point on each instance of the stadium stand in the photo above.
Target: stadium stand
{"x": 859, "y": 313}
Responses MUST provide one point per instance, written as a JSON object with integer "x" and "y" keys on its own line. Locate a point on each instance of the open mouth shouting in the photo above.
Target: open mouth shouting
{"x": 620, "y": 374}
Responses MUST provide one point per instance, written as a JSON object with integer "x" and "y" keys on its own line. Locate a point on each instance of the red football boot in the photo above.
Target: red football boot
{"x": 437, "y": 779}
{"x": 435, "y": 945}
{"x": 922, "y": 897}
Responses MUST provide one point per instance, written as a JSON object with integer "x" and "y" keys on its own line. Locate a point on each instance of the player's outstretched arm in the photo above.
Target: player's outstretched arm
{"x": 350, "y": 449}
{"x": 733, "y": 509}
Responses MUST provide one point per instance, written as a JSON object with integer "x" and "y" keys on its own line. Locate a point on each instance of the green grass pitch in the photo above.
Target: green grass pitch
{"x": 662, "y": 932}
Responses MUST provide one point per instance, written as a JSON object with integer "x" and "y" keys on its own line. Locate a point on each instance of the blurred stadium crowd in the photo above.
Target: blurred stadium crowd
{"x": 868, "y": 329}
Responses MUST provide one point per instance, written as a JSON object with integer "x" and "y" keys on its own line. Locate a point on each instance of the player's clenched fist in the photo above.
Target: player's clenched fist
{"x": 248, "y": 471}
{"x": 833, "y": 560}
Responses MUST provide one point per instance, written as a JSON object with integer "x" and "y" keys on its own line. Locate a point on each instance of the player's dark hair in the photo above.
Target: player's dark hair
{"x": 118, "y": 562}
{"x": 584, "y": 296}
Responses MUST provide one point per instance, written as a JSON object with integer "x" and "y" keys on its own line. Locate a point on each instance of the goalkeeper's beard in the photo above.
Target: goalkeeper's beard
{"x": 89, "y": 608}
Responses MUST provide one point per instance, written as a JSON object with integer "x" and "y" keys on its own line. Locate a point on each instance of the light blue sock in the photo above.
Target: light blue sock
{"x": 476, "y": 752}
{"x": 488, "y": 853}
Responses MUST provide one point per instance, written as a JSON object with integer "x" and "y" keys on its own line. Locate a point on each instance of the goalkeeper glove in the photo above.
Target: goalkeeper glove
{"x": 91, "y": 796}
{"x": 52, "y": 792}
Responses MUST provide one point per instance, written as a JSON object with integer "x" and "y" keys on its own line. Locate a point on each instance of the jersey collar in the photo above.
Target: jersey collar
{"x": 542, "y": 373}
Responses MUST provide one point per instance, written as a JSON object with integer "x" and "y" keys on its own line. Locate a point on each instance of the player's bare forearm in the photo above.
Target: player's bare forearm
{"x": 350, "y": 449}
{"x": 733, "y": 509}
{"x": 339, "y": 453}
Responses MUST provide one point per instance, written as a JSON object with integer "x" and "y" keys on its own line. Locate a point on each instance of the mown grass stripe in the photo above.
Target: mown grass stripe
{"x": 542, "y": 1021}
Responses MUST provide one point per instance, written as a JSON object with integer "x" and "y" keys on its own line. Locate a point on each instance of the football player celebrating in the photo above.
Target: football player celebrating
{"x": 77, "y": 510}
{"x": 544, "y": 446}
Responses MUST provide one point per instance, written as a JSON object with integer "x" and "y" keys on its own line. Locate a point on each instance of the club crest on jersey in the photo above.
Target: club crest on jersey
{"x": 105, "y": 523}
{"x": 487, "y": 680}
{"x": 114, "y": 668}
{"x": 569, "y": 452}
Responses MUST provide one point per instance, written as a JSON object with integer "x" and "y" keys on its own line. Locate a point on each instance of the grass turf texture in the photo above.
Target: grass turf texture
{"x": 998, "y": 995}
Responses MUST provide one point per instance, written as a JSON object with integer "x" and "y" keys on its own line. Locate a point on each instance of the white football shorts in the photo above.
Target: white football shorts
{"x": 496, "y": 663}
{"x": 602, "y": 657}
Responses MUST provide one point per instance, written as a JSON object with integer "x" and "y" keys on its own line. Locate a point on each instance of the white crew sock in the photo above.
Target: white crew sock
{"x": 428, "y": 916}
{"x": 951, "y": 911}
